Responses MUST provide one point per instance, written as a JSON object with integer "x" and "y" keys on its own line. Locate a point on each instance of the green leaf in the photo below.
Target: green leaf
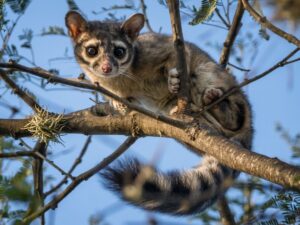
{"x": 53, "y": 30}
{"x": 205, "y": 11}
{"x": 264, "y": 34}
{"x": 27, "y": 35}
{"x": 162, "y": 2}
{"x": 72, "y": 5}
{"x": 18, "y": 6}
{"x": 1, "y": 13}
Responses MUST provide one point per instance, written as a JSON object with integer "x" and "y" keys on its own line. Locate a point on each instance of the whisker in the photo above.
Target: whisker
{"x": 131, "y": 76}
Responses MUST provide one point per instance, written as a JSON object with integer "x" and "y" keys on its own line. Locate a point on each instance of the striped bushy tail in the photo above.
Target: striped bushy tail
{"x": 175, "y": 192}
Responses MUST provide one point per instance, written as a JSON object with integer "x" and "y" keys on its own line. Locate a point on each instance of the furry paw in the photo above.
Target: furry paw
{"x": 211, "y": 94}
{"x": 119, "y": 107}
{"x": 173, "y": 81}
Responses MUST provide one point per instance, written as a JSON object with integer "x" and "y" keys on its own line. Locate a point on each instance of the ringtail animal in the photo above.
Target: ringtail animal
{"x": 141, "y": 68}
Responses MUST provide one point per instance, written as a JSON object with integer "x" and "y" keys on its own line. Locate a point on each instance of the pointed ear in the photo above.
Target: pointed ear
{"x": 76, "y": 24}
{"x": 133, "y": 25}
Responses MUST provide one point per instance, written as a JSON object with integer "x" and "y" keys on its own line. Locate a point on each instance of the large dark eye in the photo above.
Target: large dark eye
{"x": 91, "y": 51}
{"x": 119, "y": 52}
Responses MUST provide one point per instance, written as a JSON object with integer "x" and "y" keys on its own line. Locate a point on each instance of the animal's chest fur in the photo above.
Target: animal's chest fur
{"x": 152, "y": 93}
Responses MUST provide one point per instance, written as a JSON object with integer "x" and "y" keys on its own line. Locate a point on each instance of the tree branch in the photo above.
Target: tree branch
{"x": 281, "y": 63}
{"x": 227, "y": 24}
{"x": 38, "y": 175}
{"x": 17, "y": 154}
{"x": 43, "y": 157}
{"x": 39, "y": 72}
{"x": 265, "y": 23}
{"x": 144, "y": 10}
{"x": 233, "y": 31}
{"x": 22, "y": 94}
{"x": 82, "y": 177}
{"x": 8, "y": 35}
{"x": 225, "y": 213}
{"x": 201, "y": 140}
{"x": 184, "y": 90}
{"x": 75, "y": 164}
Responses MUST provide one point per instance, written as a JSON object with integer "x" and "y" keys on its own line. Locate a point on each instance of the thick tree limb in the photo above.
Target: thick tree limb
{"x": 227, "y": 152}
{"x": 184, "y": 90}
{"x": 265, "y": 23}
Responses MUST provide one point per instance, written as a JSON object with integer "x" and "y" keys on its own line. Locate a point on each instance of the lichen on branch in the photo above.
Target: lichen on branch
{"x": 46, "y": 126}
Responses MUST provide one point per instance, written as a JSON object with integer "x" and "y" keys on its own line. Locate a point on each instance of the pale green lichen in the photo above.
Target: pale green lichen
{"x": 46, "y": 126}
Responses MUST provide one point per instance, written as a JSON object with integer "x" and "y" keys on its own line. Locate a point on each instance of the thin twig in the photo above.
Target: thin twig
{"x": 52, "y": 78}
{"x": 281, "y": 63}
{"x": 14, "y": 110}
{"x": 265, "y": 23}
{"x": 215, "y": 25}
{"x": 82, "y": 177}
{"x": 184, "y": 91}
{"x": 225, "y": 213}
{"x": 247, "y": 206}
{"x": 233, "y": 31}
{"x": 238, "y": 67}
{"x": 8, "y": 35}
{"x": 292, "y": 61}
{"x": 38, "y": 154}
{"x": 222, "y": 18}
{"x": 75, "y": 164}
{"x": 17, "y": 154}
{"x": 257, "y": 186}
{"x": 18, "y": 91}
{"x": 144, "y": 10}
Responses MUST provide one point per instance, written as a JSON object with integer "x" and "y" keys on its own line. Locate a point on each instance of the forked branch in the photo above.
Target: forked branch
{"x": 266, "y": 23}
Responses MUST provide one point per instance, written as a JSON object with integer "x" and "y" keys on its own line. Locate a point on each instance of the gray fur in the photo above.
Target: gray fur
{"x": 145, "y": 78}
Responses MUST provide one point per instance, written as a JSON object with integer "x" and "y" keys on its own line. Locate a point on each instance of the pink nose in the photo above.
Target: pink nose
{"x": 106, "y": 67}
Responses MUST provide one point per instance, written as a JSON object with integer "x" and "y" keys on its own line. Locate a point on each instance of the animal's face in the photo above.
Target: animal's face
{"x": 104, "y": 49}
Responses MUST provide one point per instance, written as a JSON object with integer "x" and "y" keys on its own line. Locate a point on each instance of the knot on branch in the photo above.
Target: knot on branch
{"x": 263, "y": 19}
{"x": 46, "y": 126}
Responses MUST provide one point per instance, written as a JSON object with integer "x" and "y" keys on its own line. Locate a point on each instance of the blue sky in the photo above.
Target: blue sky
{"x": 274, "y": 99}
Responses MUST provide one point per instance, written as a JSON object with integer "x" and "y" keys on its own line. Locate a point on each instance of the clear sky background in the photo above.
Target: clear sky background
{"x": 274, "y": 99}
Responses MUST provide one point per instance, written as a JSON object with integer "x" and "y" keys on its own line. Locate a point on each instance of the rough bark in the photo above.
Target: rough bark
{"x": 135, "y": 124}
